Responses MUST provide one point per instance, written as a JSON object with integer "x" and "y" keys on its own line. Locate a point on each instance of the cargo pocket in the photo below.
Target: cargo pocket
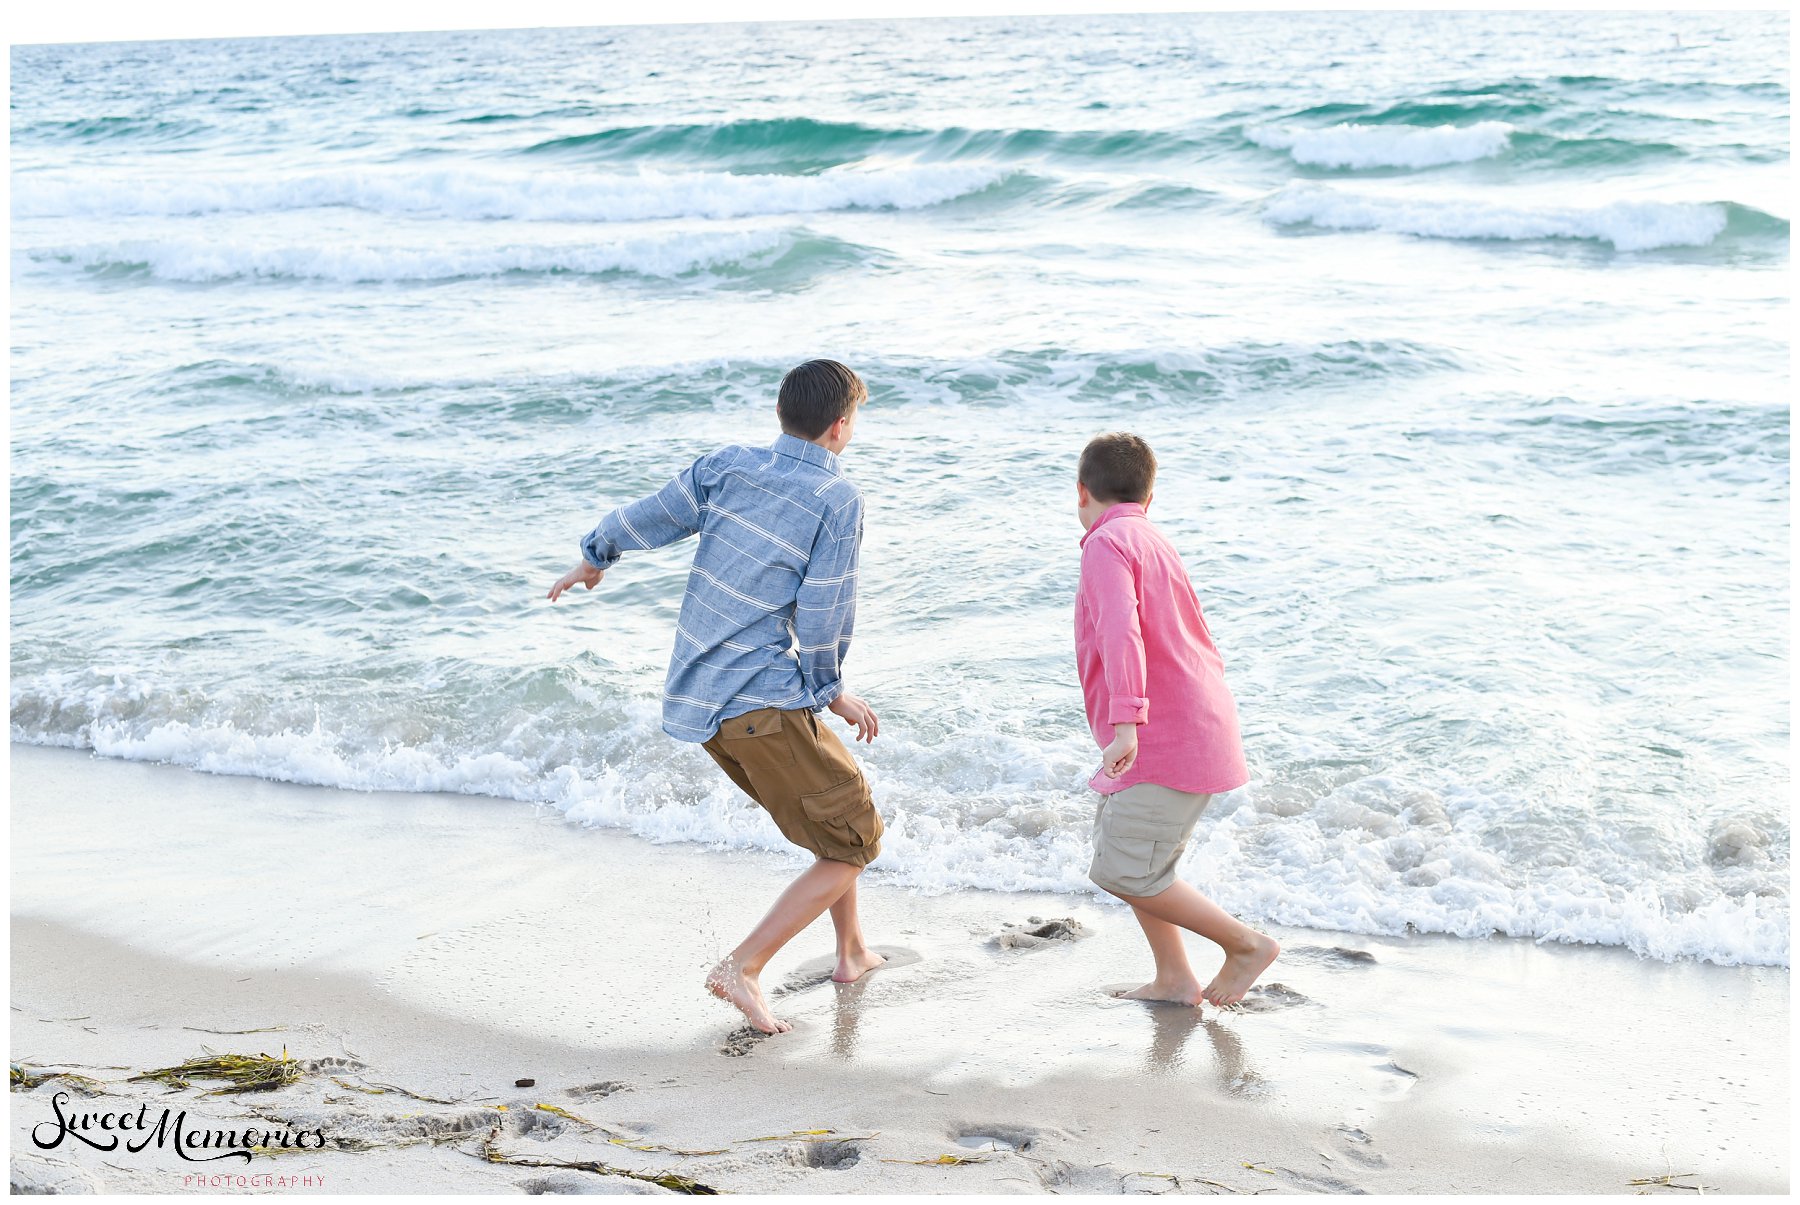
{"x": 848, "y": 825}
{"x": 756, "y": 740}
{"x": 1136, "y": 857}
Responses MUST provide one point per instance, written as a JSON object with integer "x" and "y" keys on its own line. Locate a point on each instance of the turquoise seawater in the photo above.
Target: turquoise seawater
{"x": 1461, "y": 339}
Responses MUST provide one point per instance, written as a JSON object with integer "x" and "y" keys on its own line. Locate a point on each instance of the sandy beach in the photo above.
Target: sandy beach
{"x": 420, "y": 954}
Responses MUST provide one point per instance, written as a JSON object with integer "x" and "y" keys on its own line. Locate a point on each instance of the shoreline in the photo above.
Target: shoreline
{"x": 451, "y": 945}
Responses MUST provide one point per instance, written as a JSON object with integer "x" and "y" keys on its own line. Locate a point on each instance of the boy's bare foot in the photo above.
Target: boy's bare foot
{"x": 729, "y": 983}
{"x": 851, "y": 967}
{"x": 1186, "y": 991}
{"x": 1240, "y": 971}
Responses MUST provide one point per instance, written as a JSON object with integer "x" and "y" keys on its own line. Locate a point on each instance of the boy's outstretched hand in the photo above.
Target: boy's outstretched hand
{"x": 854, "y": 711}
{"x": 1117, "y": 757}
{"x": 584, "y": 573}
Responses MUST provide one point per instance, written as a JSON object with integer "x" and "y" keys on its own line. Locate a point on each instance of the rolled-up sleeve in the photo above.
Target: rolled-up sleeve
{"x": 825, "y": 608}
{"x": 1109, "y": 575}
{"x": 666, "y": 516}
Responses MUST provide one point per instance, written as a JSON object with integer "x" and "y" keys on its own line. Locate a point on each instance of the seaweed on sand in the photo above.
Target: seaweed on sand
{"x": 241, "y": 1072}
{"x": 1667, "y": 1180}
{"x": 25, "y": 1077}
{"x": 811, "y": 1136}
{"x": 669, "y": 1180}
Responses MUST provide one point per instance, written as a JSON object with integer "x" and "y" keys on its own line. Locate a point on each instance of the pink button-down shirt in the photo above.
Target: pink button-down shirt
{"x": 1146, "y": 658}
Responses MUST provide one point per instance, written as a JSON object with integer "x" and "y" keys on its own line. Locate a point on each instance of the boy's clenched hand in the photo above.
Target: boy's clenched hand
{"x": 584, "y": 573}
{"x": 854, "y": 711}
{"x": 1117, "y": 757}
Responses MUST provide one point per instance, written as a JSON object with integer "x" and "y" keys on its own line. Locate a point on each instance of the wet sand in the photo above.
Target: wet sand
{"x": 410, "y": 946}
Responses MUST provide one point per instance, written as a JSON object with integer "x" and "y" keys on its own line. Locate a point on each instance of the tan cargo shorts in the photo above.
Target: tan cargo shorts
{"x": 1139, "y": 835}
{"x": 804, "y": 777}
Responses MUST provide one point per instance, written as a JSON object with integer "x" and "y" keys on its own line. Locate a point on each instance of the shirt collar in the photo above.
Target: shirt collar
{"x": 805, "y": 449}
{"x": 1115, "y": 511}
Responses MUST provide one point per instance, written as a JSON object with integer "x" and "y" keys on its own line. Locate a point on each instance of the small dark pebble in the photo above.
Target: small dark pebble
{"x": 524, "y": 1083}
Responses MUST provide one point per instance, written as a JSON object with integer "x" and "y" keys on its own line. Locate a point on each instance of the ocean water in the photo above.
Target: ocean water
{"x": 1460, "y": 338}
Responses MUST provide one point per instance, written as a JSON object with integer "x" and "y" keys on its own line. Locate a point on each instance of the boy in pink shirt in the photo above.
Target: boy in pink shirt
{"x": 1158, "y": 706}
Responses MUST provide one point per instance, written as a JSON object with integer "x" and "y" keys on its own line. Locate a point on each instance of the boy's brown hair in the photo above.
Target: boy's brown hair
{"x": 816, "y": 394}
{"x": 1118, "y": 467}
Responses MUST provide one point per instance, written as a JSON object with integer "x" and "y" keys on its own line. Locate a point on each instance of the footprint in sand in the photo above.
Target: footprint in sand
{"x": 599, "y": 1089}
{"x": 741, "y": 1041}
{"x": 1036, "y": 932}
{"x": 1356, "y": 1145}
{"x": 832, "y": 1156}
{"x": 360, "y": 1127}
{"x": 1333, "y": 956}
{"x": 332, "y": 1064}
{"x": 1269, "y": 998}
{"x": 558, "y": 1184}
{"x": 1401, "y": 1081}
{"x": 816, "y": 971}
{"x": 1096, "y": 1180}
{"x": 997, "y": 1139}
{"x": 1314, "y": 1182}
{"x": 1387, "y": 1079}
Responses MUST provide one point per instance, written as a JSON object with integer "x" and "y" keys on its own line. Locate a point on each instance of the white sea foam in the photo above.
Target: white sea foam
{"x": 210, "y": 259}
{"x": 1360, "y": 146}
{"x": 1627, "y": 225}
{"x": 994, "y": 811}
{"x": 473, "y": 194}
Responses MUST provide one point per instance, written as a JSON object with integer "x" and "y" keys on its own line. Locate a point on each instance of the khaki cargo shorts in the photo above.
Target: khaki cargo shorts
{"x": 1139, "y": 835}
{"x": 805, "y": 778}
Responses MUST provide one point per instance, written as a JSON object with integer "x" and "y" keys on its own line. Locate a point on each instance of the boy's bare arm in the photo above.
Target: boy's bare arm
{"x": 858, "y": 714}
{"x": 1118, "y": 756}
{"x": 583, "y": 573}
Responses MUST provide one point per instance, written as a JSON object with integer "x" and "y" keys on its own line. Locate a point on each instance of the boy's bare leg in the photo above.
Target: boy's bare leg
{"x": 1175, "y": 979}
{"x": 854, "y": 958}
{"x": 737, "y": 978}
{"x": 1247, "y": 952}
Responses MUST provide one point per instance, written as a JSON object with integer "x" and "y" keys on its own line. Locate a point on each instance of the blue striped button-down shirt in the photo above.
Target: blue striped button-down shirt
{"x": 771, "y": 598}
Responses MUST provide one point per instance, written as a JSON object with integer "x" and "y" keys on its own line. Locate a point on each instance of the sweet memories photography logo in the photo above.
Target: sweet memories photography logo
{"x": 137, "y": 1131}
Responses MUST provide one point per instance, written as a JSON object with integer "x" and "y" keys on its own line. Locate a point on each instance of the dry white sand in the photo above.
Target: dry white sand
{"x": 446, "y": 946}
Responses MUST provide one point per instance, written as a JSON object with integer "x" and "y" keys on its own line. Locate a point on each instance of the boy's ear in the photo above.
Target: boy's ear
{"x": 1082, "y": 497}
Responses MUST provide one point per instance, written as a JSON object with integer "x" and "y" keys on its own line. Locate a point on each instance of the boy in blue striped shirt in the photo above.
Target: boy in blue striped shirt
{"x": 759, "y": 649}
